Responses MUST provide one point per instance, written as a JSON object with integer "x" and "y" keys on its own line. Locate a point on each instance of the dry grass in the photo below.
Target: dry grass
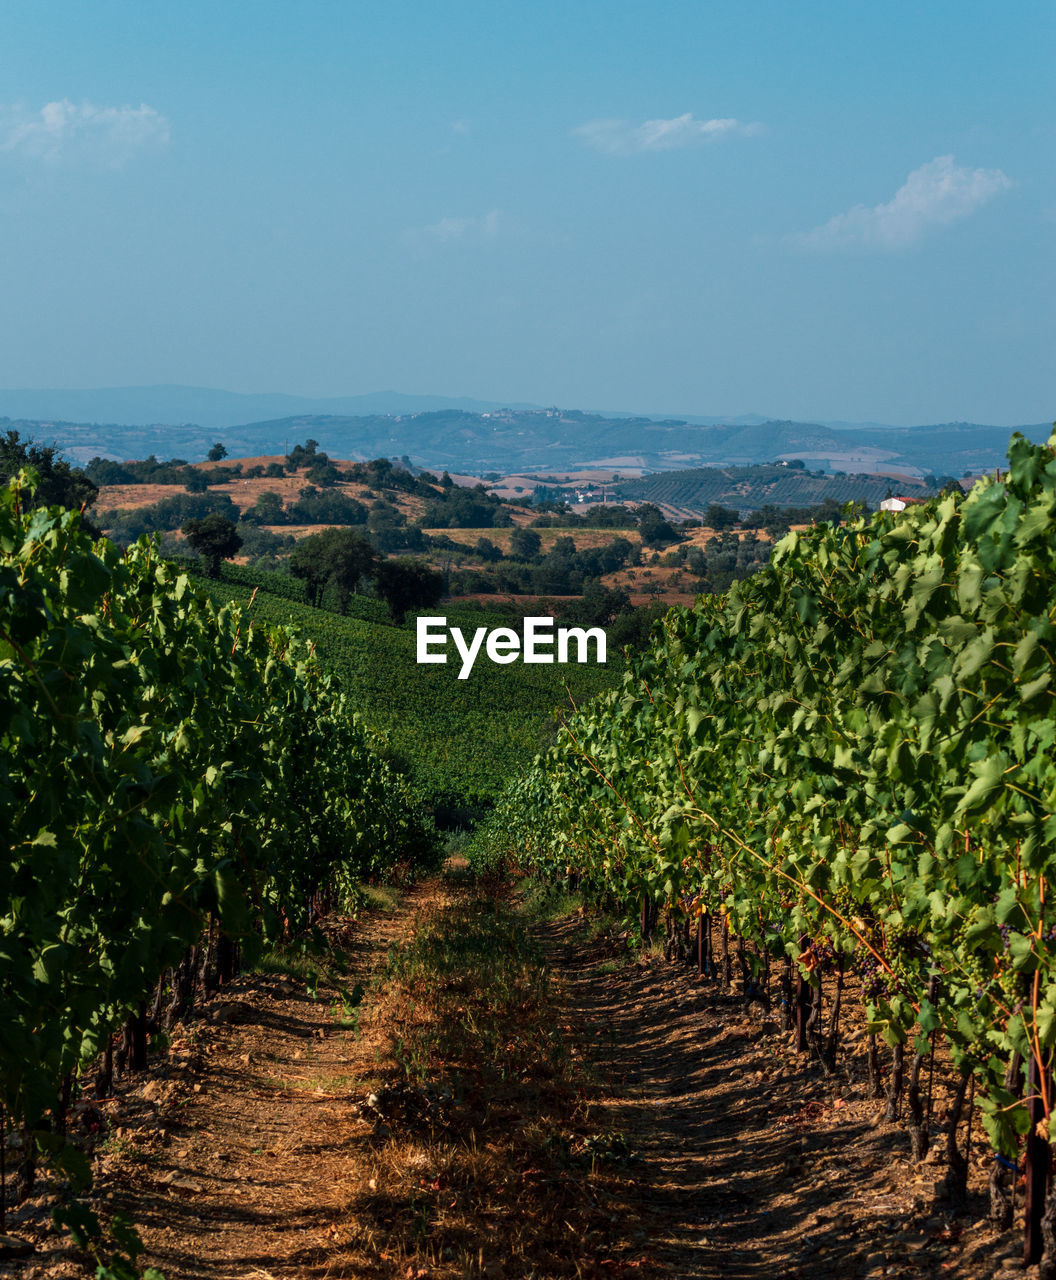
{"x": 245, "y": 492}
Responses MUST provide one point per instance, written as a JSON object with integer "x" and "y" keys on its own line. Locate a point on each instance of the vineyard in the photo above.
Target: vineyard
{"x": 842, "y": 772}
{"x": 459, "y": 741}
{"x": 825, "y": 797}
{"x": 751, "y": 487}
{"x": 179, "y": 787}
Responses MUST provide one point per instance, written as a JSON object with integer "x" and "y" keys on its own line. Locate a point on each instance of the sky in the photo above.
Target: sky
{"x": 820, "y": 211}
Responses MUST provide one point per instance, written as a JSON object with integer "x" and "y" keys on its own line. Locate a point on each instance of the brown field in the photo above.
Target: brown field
{"x": 244, "y": 493}
{"x": 501, "y": 537}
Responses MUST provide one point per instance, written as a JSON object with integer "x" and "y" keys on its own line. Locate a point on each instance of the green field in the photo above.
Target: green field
{"x": 461, "y": 740}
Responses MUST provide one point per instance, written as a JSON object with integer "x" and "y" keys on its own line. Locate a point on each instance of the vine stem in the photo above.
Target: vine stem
{"x": 801, "y": 885}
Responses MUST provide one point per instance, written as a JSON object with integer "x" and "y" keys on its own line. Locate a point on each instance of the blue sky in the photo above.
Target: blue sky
{"x": 829, "y": 211}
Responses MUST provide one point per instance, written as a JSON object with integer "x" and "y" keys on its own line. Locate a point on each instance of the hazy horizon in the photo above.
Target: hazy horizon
{"x": 47, "y": 403}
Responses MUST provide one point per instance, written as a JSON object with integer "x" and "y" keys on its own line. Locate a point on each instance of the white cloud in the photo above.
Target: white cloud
{"x": 63, "y": 130}
{"x": 620, "y": 138}
{"x": 936, "y": 194}
{"x": 451, "y": 230}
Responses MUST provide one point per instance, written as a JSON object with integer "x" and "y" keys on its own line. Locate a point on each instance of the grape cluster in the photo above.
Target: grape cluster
{"x": 910, "y": 944}
{"x": 876, "y": 982}
{"x": 818, "y": 957}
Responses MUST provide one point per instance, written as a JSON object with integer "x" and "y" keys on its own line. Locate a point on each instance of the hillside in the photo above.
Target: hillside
{"x": 685, "y": 493}
{"x": 513, "y": 440}
{"x": 460, "y": 740}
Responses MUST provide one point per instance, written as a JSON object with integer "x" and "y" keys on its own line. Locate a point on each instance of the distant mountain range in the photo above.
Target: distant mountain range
{"x": 476, "y": 436}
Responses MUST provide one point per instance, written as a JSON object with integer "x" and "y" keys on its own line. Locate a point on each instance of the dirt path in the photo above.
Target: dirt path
{"x": 247, "y": 1153}
{"x": 244, "y": 1167}
{"x": 760, "y": 1165}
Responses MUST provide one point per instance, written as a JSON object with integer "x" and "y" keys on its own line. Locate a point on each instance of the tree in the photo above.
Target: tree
{"x": 524, "y": 544}
{"x": 654, "y": 529}
{"x": 303, "y": 455}
{"x": 720, "y": 517}
{"x": 407, "y": 584}
{"x": 562, "y": 550}
{"x": 217, "y": 453}
{"x": 464, "y": 509}
{"x": 599, "y": 606}
{"x": 214, "y": 538}
{"x": 267, "y": 509}
{"x": 336, "y": 557}
{"x": 107, "y": 471}
{"x": 59, "y": 484}
{"x": 322, "y": 473}
{"x": 634, "y": 626}
{"x": 195, "y": 481}
{"x": 487, "y": 551}
{"x": 326, "y": 506}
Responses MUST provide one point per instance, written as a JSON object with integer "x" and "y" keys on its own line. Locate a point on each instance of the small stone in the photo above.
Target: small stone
{"x": 197, "y": 1087}
{"x": 158, "y": 1091}
{"x": 185, "y": 1184}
